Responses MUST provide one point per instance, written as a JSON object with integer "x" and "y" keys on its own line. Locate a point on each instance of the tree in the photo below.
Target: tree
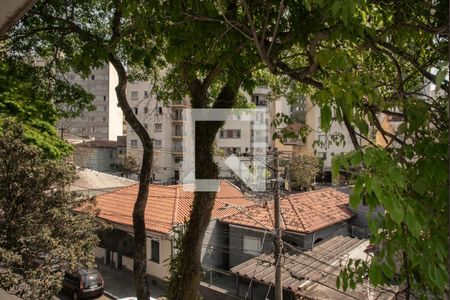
{"x": 34, "y": 96}
{"x": 361, "y": 62}
{"x": 127, "y": 164}
{"x": 211, "y": 79}
{"x": 39, "y": 229}
{"x": 81, "y": 35}
{"x": 302, "y": 170}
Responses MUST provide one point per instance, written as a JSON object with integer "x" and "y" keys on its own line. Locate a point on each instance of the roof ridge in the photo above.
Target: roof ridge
{"x": 312, "y": 192}
{"x": 175, "y": 207}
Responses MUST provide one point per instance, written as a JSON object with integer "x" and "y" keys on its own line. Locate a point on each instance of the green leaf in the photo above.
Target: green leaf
{"x": 375, "y": 276}
{"x": 412, "y": 222}
{"x": 325, "y": 118}
{"x": 420, "y": 186}
{"x": 440, "y": 77}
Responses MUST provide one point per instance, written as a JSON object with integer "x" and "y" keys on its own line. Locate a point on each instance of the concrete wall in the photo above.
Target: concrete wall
{"x": 160, "y": 270}
{"x": 115, "y": 115}
{"x": 237, "y": 255}
{"x": 214, "y": 251}
{"x": 302, "y": 241}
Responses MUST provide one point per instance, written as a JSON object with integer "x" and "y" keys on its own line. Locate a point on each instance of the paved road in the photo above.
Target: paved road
{"x": 66, "y": 296}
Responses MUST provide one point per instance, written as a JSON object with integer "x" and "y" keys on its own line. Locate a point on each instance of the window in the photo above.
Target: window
{"x": 251, "y": 245}
{"x": 133, "y": 143}
{"x": 93, "y": 77}
{"x": 136, "y": 110}
{"x": 155, "y": 251}
{"x": 105, "y": 108}
{"x": 104, "y": 98}
{"x": 322, "y": 139}
{"x": 145, "y": 93}
{"x": 322, "y": 155}
{"x": 230, "y": 134}
{"x": 159, "y": 109}
{"x": 146, "y": 110}
{"x": 92, "y": 119}
{"x": 72, "y": 77}
{"x": 134, "y": 95}
{"x": 158, "y": 143}
{"x": 104, "y": 119}
{"x": 178, "y": 159}
{"x": 92, "y": 129}
{"x": 158, "y": 127}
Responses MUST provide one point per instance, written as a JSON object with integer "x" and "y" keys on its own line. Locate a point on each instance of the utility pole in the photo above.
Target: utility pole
{"x": 278, "y": 239}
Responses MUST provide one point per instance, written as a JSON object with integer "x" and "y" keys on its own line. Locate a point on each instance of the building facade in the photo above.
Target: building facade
{"x": 106, "y": 121}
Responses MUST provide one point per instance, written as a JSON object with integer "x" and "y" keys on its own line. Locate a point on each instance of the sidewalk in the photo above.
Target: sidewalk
{"x": 119, "y": 283}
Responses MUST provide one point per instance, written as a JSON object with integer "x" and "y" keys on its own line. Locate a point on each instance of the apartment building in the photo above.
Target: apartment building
{"x": 164, "y": 122}
{"x": 106, "y": 122}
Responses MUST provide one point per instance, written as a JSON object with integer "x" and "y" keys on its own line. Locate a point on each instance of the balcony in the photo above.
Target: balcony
{"x": 179, "y": 104}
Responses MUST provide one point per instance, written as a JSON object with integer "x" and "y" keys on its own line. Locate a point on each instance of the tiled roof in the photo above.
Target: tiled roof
{"x": 301, "y": 212}
{"x": 166, "y": 206}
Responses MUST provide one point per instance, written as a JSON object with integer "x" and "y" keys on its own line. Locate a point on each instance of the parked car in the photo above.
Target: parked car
{"x": 84, "y": 284}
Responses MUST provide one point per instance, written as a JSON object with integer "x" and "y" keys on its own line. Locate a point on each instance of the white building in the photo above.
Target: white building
{"x": 106, "y": 122}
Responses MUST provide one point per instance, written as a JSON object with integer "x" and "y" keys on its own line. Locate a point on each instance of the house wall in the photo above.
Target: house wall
{"x": 161, "y": 270}
{"x": 302, "y": 241}
{"x": 214, "y": 250}
{"x": 236, "y": 251}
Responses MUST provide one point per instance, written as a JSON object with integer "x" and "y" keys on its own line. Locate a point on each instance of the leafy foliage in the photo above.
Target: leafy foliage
{"x": 302, "y": 170}
{"x": 127, "y": 164}
{"x": 34, "y": 96}
{"x": 39, "y": 230}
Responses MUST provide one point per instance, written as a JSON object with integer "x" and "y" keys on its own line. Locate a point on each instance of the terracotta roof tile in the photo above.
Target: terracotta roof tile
{"x": 166, "y": 206}
{"x": 300, "y": 212}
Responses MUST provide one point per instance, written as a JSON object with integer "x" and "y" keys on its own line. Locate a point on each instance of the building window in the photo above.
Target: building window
{"x": 105, "y": 108}
{"x": 92, "y": 129}
{"x": 93, "y": 77}
{"x": 322, "y": 155}
{"x": 157, "y": 143}
{"x": 159, "y": 109}
{"x": 72, "y": 77}
{"x": 134, "y": 95}
{"x": 145, "y": 93}
{"x": 104, "y": 119}
{"x": 136, "y": 110}
{"x": 178, "y": 159}
{"x": 104, "y": 98}
{"x": 251, "y": 245}
{"x": 155, "y": 251}
{"x": 146, "y": 110}
{"x": 92, "y": 119}
{"x": 133, "y": 143}
{"x": 230, "y": 134}
{"x": 158, "y": 127}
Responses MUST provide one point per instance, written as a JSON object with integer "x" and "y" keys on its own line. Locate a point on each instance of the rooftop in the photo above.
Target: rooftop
{"x": 167, "y": 206}
{"x": 311, "y": 273}
{"x": 102, "y": 144}
{"x": 94, "y": 183}
{"x": 300, "y": 212}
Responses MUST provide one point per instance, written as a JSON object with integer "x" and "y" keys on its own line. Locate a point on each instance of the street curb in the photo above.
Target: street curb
{"x": 110, "y": 296}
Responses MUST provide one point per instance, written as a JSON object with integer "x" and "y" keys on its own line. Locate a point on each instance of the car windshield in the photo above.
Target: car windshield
{"x": 91, "y": 280}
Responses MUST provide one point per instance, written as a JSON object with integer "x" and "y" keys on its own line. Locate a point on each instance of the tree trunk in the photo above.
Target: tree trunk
{"x": 140, "y": 256}
{"x": 189, "y": 272}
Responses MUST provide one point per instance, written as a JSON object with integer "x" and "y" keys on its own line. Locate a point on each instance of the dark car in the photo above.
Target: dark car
{"x": 84, "y": 284}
